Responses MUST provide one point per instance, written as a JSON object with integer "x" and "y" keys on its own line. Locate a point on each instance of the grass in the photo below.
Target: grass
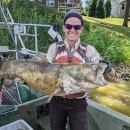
{"x": 111, "y": 24}
{"x": 109, "y": 37}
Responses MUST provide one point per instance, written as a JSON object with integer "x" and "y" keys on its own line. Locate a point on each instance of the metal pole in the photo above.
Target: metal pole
{"x": 10, "y": 32}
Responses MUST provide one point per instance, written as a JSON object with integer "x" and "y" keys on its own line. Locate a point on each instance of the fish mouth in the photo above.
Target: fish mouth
{"x": 80, "y": 80}
{"x": 71, "y": 85}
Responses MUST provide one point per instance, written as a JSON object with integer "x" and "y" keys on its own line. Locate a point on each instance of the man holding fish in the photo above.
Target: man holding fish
{"x": 71, "y": 50}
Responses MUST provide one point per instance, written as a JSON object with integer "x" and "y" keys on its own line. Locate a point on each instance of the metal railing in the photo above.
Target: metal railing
{"x": 20, "y": 29}
{"x": 62, "y": 5}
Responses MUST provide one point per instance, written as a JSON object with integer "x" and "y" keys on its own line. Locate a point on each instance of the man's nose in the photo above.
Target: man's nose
{"x": 72, "y": 29}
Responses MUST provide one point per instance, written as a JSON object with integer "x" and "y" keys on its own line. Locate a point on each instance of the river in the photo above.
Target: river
{"x": 115, "y": 95}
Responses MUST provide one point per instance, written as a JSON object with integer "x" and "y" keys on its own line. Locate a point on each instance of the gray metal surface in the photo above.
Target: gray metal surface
{"x": 10, "y": 32}
{"x": 105, "y": 118}
{"x": 20, "y": 31}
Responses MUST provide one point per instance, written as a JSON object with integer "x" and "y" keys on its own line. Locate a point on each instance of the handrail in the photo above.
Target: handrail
{"x": 11, "y": 34}
{"x": 20, "y": 30}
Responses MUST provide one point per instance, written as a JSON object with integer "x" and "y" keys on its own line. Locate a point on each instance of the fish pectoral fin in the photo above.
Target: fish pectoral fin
{"x": 39, "y": 58}
{"x": 18, "y": 80}
{"x": 7, "y": 82}
{"x": 58, "y": 89}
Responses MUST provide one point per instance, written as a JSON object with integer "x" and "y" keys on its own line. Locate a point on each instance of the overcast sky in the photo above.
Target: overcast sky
{"x": 84, "y": 4}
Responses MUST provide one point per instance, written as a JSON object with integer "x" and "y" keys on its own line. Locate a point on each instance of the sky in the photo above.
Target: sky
{"x": 84, "y": 4}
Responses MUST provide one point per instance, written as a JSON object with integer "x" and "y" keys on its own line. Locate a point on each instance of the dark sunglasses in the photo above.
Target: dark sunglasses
{"x": 69, "y": 26}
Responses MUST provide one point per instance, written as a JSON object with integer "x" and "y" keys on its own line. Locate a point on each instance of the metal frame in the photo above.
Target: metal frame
{"x": 20, "y": 30}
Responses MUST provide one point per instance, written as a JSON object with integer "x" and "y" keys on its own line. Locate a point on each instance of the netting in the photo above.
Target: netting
{"x": 15, "y": 95}
{"x": 19, "y": 93}
{"x": 26, "y": 93}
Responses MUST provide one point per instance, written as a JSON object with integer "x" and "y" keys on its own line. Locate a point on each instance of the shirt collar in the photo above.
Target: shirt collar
{"x": 74, "y": 47}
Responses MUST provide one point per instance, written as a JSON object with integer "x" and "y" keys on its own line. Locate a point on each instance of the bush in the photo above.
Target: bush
{"x": 24, "y": 11}
{"x": 106, "y": 44}
{"x": 82, "y": 12}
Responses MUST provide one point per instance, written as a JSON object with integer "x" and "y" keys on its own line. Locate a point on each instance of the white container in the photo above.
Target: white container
{"x": 17, "y": 125}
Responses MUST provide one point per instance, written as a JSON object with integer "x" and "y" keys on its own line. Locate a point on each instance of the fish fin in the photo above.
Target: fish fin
{"x": 39, "y": 58}
{"x": 7, "y": 82}
{"x": 55, "y": 92}
{"x": 18, "y": 80}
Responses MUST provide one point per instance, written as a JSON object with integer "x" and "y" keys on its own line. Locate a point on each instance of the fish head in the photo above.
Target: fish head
{"x": 83, "y": 77}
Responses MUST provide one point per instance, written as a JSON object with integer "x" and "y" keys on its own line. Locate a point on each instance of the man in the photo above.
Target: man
{"x": 71, "y": 50}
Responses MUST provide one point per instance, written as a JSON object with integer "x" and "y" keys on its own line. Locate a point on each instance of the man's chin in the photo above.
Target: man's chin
{"x": 73, "y": 39}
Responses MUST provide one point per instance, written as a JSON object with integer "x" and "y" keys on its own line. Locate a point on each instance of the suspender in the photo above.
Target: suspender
{"x": 81, "y": 50}
{"x": 70, "y": 54}
{"x": 61, "y": 46}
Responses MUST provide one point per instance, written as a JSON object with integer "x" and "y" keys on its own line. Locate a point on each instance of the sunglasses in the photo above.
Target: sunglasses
{"x": 69, "y": 26}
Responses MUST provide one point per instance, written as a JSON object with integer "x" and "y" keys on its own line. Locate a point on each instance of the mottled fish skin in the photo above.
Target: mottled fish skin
{"x": 55, "y": 79}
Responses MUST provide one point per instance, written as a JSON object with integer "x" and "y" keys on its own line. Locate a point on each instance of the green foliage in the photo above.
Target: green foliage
{"x": 86, "y": 9}
{"x": 23, "y": 11}
{"x": 119, "y": 51}
{"x": 4, "y": 40}
{"x": 107, "y": 44}
{"x": 82, "y": 12}
{"x": 100, "y": 12}
{"x": 92, "y": 9}
{"x": 88, "y": 2}
{"x": 108, "y": 8}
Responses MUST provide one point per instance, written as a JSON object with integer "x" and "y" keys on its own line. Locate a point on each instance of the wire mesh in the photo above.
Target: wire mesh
{"x": 26, "y": 93}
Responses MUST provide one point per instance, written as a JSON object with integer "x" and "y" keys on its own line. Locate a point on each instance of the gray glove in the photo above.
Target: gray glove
{"x": 109, "y": 65}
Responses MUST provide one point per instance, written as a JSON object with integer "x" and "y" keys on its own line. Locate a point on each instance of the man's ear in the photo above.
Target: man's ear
{"x": 82, "y": 28}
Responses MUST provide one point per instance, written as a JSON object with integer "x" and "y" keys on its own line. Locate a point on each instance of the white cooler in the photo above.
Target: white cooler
{"x": 17, "y": 125}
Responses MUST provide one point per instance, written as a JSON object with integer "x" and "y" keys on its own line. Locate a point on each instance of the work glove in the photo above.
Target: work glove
{"x": 109, "y": 65}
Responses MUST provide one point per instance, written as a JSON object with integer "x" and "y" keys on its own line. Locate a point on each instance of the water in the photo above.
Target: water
{"x": 116, "y": 95}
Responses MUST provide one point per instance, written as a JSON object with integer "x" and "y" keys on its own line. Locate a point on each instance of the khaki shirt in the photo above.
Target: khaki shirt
{"x": 92, "y": 54}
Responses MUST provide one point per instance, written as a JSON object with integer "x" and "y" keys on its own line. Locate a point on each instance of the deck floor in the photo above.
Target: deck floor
{"x": 47, "y": 125}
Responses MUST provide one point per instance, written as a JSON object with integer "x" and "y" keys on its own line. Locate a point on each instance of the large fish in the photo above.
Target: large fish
{"x": 54, "y": 79}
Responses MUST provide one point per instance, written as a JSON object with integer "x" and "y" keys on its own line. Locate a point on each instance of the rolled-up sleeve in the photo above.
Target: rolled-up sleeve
{"x": 93, "y": 55}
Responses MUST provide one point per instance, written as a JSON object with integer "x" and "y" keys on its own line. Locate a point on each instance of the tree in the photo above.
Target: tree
{"x": 100, "y": 12}
{"x": 88, "y": 3}
{"x": 125, "y": 23}
{"x": 92, "y": 9}
{"x": 108, "y": 8}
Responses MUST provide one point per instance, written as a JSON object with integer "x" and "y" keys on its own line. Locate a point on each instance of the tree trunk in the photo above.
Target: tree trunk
{"x": 125, "y": 23}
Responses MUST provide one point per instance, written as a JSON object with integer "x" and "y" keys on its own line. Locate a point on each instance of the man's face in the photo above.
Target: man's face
{"x": 72, "y": 35}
